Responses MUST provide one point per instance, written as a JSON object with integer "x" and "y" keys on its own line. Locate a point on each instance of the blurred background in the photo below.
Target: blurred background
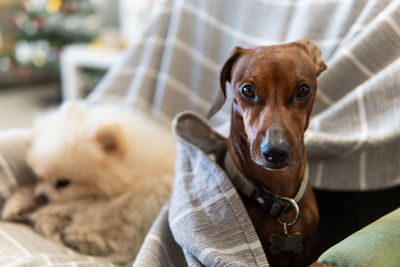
{"x": 53, "y": 50}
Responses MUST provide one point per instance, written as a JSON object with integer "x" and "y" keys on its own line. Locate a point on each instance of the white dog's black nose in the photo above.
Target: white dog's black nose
{"x": 42, "y": 199}
{"x": 275, "y": 149}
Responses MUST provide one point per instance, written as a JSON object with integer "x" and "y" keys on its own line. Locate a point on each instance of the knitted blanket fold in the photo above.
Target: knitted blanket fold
{"x": 205, "y": 222}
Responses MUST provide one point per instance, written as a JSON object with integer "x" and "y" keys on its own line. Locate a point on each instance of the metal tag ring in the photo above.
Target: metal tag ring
{"x": 296, "y": 209}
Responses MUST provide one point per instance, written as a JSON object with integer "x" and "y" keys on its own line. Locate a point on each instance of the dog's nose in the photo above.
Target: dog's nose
{"x": 275, "y": 149}
{"x": 275, "y": 153}
{"x": 42, "y": 199}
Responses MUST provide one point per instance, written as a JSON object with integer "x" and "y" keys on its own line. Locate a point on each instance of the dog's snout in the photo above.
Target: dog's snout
{"x": 275, "y": 149}
{"x": 42, "y": 199}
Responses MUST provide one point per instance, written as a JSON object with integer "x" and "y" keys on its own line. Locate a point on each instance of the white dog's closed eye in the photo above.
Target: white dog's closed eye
{"x": 62, "y": 182}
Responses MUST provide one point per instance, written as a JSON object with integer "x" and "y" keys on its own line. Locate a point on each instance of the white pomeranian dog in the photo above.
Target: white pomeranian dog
{"x": 103, "y": 173}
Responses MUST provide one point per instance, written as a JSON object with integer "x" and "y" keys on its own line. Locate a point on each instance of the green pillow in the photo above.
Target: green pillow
{"x": 378, "y": 244}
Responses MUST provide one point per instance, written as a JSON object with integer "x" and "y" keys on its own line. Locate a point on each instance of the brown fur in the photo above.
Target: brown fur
{"x": 275, "y": 72}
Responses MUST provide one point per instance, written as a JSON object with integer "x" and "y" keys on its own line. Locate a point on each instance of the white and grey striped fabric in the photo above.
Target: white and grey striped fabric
{"x": 353, "y": 140}
{"x": 14, "y": 170}
{"x": 205, "y": 223}
{"x": 21, "y": 246}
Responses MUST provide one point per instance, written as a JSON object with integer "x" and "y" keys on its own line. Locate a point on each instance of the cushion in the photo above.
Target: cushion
{"x": 378, "y": 244}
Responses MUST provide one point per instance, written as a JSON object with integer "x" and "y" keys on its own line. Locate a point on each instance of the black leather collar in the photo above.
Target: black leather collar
{"x": 270, "y": 203}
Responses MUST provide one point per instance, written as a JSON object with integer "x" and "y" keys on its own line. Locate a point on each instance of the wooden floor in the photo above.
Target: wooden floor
{"x": 18, "y": 106}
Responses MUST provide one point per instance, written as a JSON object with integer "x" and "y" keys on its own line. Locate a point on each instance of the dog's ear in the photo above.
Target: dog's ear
{"x": 223, "y": 78}
{"x": 73, "y": 110}
{"x": 110, "y": 138}
{"x": 315, "y": 54}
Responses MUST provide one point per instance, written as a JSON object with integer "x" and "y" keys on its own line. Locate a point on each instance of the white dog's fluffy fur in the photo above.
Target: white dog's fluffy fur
{"x": 103, "y": 175}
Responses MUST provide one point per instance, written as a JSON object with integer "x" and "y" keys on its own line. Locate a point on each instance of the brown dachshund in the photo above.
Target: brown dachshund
{"x": 273, "y": 91}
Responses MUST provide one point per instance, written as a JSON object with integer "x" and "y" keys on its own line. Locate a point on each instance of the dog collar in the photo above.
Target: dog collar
{"x": 269, "y": 202}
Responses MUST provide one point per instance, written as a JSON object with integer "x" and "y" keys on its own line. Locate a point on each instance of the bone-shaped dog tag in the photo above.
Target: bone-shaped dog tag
{"x": 286, "y": 242}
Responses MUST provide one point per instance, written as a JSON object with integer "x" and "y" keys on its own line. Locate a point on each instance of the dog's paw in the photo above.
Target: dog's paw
{"x": 50, "y": 221}
{"x": 87, "y": 242}
{"x": 19, "y": 205}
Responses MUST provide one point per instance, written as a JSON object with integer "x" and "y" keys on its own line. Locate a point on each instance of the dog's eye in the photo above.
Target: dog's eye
{"x": 302, "y": 91}
{"x": 62, "y": 182}
{"x": 248, "y": 91}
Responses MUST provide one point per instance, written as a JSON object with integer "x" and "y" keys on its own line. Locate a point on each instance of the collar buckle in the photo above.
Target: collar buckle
{"x": 270, "y": 203}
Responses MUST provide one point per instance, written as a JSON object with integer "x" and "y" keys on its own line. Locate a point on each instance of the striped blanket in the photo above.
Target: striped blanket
{"x": 355, "y": 130}
{"x": 205, "y": 222}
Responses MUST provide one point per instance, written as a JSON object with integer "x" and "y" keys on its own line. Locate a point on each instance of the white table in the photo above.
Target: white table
{"x": 74, "y": 57}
